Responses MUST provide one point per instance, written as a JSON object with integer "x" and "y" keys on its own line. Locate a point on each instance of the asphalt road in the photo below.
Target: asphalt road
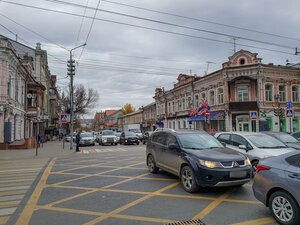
{"x": 110, "y": 185}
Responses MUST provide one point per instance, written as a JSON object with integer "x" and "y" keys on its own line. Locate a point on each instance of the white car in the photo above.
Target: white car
{"x": 255, "y": 146}
{"x": 108, "y": 137}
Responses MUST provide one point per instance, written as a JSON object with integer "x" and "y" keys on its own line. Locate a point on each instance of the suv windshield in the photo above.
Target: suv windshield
{"x": 86, "y": 134}
{"x": 108, "y": 132}
{"x": 265, "y": 141}
{"x": 286, "y": 138}
{"x": 199, "y": 141}
{"x": 130, "y": 134}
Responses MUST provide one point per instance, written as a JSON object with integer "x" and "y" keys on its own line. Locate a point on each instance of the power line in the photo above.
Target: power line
{"x": 87, "y": 2}
{"x": 149, "y": 28}
{"x": 175, "y": 25}
{"x": 201, "y": 20}
{"x": 90, "y": 30}
{"x": 32, "y": 31}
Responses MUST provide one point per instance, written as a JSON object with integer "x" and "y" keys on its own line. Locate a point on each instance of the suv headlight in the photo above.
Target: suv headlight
{"x": 210, "y": 164}
{"x": 247, "y": 162}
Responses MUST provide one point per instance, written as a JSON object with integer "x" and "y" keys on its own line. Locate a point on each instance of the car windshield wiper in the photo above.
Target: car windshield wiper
{"x": 194, "y": 148}
{"x": 214, "y": 147}
{"x": 273, "y": 147}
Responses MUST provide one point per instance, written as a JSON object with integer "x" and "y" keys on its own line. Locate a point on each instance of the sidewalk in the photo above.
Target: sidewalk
{"x": 50, "y": 149}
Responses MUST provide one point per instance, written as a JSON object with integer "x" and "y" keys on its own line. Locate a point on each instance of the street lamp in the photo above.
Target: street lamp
{"x": 71, "y": 73}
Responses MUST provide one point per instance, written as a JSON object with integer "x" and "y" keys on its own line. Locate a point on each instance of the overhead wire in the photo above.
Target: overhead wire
{"x": 149, "y": 28}
{"x": 80, "y": 27}
{"x": 90, "y": 30}
{"x": 202, "y": 20}
{"x": 175, "y": 25}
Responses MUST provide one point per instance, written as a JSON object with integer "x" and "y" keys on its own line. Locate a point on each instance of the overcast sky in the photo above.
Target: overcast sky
{"x": 153, "y": 41}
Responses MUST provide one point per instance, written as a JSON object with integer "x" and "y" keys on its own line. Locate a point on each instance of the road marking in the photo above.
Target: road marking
{"x": 30, "y": 205}
{"x": 127, "y": 206}
{"x": 212, "y": 205}
{"x": 7, "y": 211}
{"x": 14, "y": 188}
{"x": 11, "y": 180}
{"x": 3, "y": 219}
{"x": 6, "y": 193}
{"x": 11, "y": 197}
{"x": 261, "y": 221}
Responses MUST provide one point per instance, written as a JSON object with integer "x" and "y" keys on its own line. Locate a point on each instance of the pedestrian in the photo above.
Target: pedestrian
{"x": 77, "y": 140}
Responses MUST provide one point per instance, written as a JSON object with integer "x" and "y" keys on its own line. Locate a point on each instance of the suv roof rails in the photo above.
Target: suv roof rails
{"x": 166, "y": 129}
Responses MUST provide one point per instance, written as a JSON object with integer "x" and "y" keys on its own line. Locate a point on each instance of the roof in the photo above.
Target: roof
{"x": 110, "y": 112}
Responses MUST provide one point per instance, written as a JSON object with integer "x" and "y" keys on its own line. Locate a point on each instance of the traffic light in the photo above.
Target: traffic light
{"x": 71, "y": 67}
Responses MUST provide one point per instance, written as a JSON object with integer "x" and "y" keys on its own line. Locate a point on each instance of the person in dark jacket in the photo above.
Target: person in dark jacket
{"x": 77, "y": 140}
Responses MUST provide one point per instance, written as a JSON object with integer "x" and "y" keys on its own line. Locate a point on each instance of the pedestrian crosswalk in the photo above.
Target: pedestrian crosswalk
{"x": 115, "y": 149}
{"x": 16, "y": 178}
{"x": 88, "y": 151}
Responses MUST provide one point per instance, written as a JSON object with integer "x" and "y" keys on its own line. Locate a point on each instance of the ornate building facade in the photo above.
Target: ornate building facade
{"x": 245, "y": 95}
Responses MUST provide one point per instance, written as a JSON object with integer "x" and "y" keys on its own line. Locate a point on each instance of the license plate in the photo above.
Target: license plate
{"x": 238, "y": 174}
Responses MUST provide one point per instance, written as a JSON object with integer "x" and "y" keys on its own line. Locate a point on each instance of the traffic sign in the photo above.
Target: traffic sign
{"x": 63, "y": 118}
{"x": 289, "y": 105}
{"x": 289, "y": 113}
{"x": 253, "y": 115}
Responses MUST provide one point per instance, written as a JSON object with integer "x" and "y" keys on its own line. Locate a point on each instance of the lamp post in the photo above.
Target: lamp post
{"x": 71, "y": 73}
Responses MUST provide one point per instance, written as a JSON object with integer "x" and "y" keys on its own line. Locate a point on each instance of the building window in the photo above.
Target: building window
{"x": 9, "y": 86}
{"x": 243, "y": 94}
{"x": 190, "y": 104}
{"x": 17, "y": 89}
{"x": 220, "y": 96}
{"x": 183, "y": 104}
{"x": 212, "y": 98}
{"x": 282, "y": 93}
{"x": 203, "y": 97}
{"x": 31, "y": 99}
{"x": 173, "y": 106}
{"x": 268, "y": 92}
{"x": 184, "y": 124}
{"x": 196, "y": 100}
{"x": 169, "y": 107}
{"x": 178, "y": 124}
{"x": 295, "y": 93}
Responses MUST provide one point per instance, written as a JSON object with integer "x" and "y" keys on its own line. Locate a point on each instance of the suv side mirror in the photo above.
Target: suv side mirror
{"x": 173, "y": 147}
{"x": 223, "y": 143}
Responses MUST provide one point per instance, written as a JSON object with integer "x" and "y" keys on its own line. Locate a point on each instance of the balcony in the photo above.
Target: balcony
{"x": 243, "y": 106}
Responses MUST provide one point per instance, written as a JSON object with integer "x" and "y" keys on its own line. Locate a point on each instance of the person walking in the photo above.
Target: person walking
{"x": 77, "y": 140}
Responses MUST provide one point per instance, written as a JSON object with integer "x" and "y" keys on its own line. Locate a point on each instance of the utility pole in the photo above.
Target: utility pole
{"x": 71, "y": 73}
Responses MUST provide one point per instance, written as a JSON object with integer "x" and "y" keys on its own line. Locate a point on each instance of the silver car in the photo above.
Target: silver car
{"x": 277, "y": 185}
{"x": 255, "y": 146}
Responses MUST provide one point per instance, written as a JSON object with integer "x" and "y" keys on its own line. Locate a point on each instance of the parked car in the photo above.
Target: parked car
{"x": 86, "y": 138}
{"x": 277, "y": 185}
{"x": 128, "y": 137}
{"x": 198, "y": 158}
{"x": 107, "y": 137}
{"x": 146, "y": 136}
{"x": 296, "y": 135}
{"x": 138, "y": 133}
{"x": 118, "y": 134}
{"x": 287, "y": 139}
{"x": 68, "y": 138}
{"x": 255, "y": 146}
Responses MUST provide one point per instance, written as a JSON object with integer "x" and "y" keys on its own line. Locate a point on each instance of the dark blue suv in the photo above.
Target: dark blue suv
{"x": 198, "y": 158}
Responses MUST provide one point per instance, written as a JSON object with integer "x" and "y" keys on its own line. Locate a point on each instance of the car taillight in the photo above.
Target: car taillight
{"x": 261, "y": 167}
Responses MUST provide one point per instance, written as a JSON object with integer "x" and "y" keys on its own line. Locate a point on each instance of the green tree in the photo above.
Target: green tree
{"x": 127, "y": 108}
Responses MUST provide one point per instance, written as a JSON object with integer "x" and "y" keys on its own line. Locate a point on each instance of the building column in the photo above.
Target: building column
{"x": 228, "y": 122}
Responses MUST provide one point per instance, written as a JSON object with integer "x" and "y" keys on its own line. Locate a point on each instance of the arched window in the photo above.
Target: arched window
{"x": 220, "y": 96}
{"x": 203, "y": 96}
{"x": 269, "y": 92}
{"x": 295, "y": 93}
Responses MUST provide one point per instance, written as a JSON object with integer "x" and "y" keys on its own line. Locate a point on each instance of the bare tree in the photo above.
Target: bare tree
{"x": 85, "y": 99}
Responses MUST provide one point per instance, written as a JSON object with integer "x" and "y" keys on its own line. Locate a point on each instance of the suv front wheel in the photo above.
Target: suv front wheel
{"x": 188, "y": 180}
{"x": 151, "y": 164}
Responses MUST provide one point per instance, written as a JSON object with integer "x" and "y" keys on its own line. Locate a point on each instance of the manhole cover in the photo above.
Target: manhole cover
{"x": 188, "y": 222}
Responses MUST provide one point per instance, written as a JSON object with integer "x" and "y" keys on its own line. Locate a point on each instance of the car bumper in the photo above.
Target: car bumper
{"x": 130, "y": 141}
{"x": 223, "y": 177}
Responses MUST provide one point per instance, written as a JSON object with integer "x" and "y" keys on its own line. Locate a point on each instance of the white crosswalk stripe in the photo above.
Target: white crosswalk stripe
{"x": 16, "y": 177}
{"x": 91, "y": 151}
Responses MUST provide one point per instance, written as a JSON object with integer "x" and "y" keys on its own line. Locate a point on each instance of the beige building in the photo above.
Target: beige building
{"x": 245, "y": 95}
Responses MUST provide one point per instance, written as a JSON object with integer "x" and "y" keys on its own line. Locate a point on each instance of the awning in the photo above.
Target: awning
{"x": 218, "y": 115}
